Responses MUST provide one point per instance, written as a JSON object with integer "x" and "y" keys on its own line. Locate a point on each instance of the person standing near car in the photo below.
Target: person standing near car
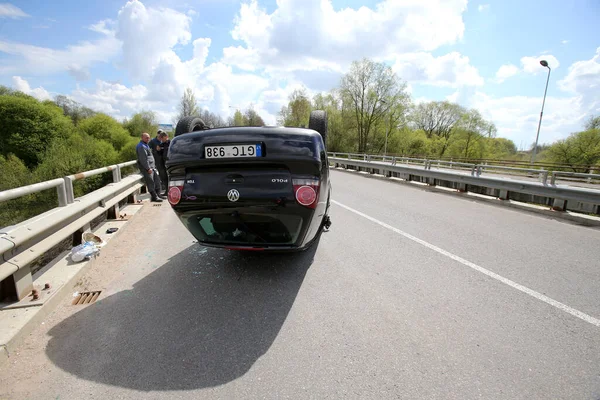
{"x": 156, "y": 145}
{"x": 162, "y": 160}
{"x": 147, "y": 166}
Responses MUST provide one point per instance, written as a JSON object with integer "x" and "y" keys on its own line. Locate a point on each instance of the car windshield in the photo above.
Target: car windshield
{"x": 247, "y": 229}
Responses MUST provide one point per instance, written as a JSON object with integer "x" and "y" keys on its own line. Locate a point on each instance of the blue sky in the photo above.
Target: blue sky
{"x": 119, "y": 56}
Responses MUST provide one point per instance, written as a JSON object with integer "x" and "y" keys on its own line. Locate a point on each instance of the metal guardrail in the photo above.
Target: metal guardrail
{"x": 559, "y": 193}
{"x": 23, "y": 243}
{"x": 476, "y": 169}
{"x": 589, "y": 177}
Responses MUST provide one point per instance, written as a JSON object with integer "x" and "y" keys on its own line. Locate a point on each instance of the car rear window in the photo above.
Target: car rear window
{"x": 247, "y": 229}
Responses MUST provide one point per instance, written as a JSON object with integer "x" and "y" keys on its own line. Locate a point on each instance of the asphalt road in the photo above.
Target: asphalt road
{"x": 412, "y": 294}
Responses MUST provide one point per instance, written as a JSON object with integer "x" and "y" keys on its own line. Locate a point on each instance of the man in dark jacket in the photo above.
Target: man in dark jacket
{"x": 147, "y": 166}
{"x": 160, "y": 148}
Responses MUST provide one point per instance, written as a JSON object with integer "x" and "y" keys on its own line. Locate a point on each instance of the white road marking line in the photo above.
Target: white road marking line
{"x": 576, "y": 313}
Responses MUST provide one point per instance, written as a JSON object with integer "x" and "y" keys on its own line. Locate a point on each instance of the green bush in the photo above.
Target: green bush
{"x": 101, "y": 126}
{"x": 16, "y": 174}
{"x": 29, "y": 127}
{"x": 141, "y": 122}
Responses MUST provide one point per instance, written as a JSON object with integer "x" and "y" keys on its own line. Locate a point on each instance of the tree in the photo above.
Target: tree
{"x": 72, "y": 109}
{"x": 297, "y": 112}
{"x": 238, "y": 119}
{"x": 593, "y": 122}
{"x": 338, "y": 126}
{"x": 28, "y": 127}
{"x": 500, "y": 148}
{"x": 211, "y": 119}
{"x": 473, "y": 128}
{"x": 579, "y": 149}
{"x": 104, "y": 127}
{"x": 144, "y": 121}
{"x": 370, "y": 90}
{"x": 251, "y": 118}
{"x": 438, "y": 118}
{"x": 187, "y": 105}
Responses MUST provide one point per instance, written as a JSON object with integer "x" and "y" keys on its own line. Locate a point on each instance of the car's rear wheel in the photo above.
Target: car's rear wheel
{"x": 189, "y": 124}
{"x": 318, "y": 122}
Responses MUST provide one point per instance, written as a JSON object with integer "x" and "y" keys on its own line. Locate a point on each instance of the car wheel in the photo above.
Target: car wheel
{"x": 318, "y": 122}
{"x": 189, "y": 124}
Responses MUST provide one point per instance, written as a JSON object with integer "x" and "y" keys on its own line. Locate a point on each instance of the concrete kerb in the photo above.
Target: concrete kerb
{"x": 546, "y": 211}
{"x": 19, "y": 323}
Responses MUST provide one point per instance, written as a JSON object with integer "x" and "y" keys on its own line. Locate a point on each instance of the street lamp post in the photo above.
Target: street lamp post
{"x": 544, "y": 63}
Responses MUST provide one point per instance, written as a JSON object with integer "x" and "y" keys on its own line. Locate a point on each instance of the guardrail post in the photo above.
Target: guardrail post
{"x": 479, "y": 167}
{"x": 77, "y": 240}
{"x": 559, "y": 205}
{"x": 69, "y": 189}
{"x": 115, "y": 173}
{"x": 23, "y": 282}
{"x": 393, "y": 160}
{"x": 62, "y": 195}
{"x": 553, "y": 180}
{"x": 544, "y": 176}
{"x": 114, "y": 211}
{"x": 503, "y": 195}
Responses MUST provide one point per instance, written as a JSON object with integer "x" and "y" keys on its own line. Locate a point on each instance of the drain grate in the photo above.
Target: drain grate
{"x": 86, "y": 298}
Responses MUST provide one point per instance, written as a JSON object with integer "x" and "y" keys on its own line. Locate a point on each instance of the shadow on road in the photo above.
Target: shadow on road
{"x": 200, "y": 320}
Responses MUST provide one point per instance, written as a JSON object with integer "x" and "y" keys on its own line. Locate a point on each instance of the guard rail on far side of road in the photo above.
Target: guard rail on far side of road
{"x": 476, "y": 169}
{"x": 22, "y": 244}
{"x": 557, "y": 194}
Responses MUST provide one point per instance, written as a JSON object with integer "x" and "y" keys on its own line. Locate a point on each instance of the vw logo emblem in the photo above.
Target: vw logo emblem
{"x": 233, "y": 195}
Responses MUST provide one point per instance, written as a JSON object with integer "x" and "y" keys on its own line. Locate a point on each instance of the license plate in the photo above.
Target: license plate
{"x": 233, "y": 151}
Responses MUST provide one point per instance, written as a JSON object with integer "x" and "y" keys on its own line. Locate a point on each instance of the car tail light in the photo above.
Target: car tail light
{"x": 175, "y": 189}
{"x": 306, "y": 191}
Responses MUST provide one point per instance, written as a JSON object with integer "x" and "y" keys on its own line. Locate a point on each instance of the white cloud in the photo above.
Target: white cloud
{"x": 564, "y": 41}
{"x": 450, "y": 70}
{"x": 302, "y": 34}
{"x": 583, "y": 79}
{"x": 583, "y": 76}
{"x": 22, "y": 85}
{"x": 78, "y": 72}
{"x": 517, "y": 116}
{"x": 117, "y": 100}
{"x": 241, "y": 57}
{"x": 42, "y": 60}
{"x": 483, "y": 7}
{"x": 505, "y": 72}
{"x": 148, "y": 36}
{"x": 104, "y": 27}
{"x": 8, "y": 10}
{"x": 531, "y": 65}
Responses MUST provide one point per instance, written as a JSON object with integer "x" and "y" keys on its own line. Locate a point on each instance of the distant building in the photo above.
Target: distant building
{"x": 166, "y": 127}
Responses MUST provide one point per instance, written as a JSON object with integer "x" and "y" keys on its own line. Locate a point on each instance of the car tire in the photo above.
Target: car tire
{"x": 189, "y": 124}
{"x": 318, "y": 122}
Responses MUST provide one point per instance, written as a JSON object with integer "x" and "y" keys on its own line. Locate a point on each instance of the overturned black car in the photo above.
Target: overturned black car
{"x": 251, "y": 188}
